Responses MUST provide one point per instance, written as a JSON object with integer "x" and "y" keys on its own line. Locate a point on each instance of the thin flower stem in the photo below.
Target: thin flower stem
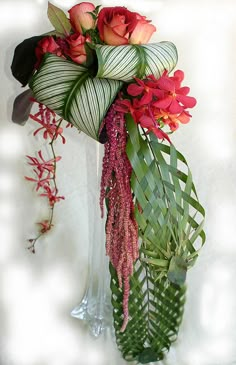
{"x": 51, "y": 216}
{"x": 33, "y": 242}
{"x": 54, "y": 154}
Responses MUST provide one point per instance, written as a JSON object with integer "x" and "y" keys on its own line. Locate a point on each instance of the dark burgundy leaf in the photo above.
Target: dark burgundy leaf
{"x": 103, "y": 135}
{"x": 22, "y": 107}
{"x": 24, "y": 59}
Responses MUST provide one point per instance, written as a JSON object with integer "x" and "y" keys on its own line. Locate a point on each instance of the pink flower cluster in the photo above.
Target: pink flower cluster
{"x": 49, "y": 124}
{"x": 121, "y": 226}
{"x": 45, "y": 170}
{"x": 112, "y": 26}
{"x": 155, "y": 103}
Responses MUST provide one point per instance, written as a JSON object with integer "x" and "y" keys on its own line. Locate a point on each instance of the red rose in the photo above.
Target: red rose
{"x": 115, "y": 24}
{"x": 80, "y": 18}
{"x": 46, "y": 45}
{"x": 142, "y": 31}
{"x": 76, "y": 50}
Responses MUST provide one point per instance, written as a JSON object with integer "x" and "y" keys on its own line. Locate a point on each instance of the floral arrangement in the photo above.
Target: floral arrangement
{"x": 97, "y": 71}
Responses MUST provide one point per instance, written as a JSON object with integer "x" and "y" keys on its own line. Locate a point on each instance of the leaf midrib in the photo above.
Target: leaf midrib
{"x": 69, "y": 97}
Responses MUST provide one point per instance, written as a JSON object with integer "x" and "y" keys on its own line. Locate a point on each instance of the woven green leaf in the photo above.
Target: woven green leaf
{"x": 155, "y": 312}
{"x": 170, "y": 220}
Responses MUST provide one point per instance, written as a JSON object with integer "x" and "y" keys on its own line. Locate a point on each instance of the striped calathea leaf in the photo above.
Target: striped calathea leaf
{"x": 125, "y": 62}
{"x": 71, "y": 91}
{"x": 82, "y": 96}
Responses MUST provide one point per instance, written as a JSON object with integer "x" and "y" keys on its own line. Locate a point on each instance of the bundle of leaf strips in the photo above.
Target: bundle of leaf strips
{"x": 170, "y": 221}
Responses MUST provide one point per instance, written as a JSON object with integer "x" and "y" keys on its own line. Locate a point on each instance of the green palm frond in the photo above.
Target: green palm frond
{"x": 155, "y": 313}
{"x": 170, "y": 220}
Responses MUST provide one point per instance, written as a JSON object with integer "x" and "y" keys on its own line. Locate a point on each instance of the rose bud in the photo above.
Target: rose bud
{"x": 80, "y": 18}
{"x": 47, "y": 45}
{"x": 115, "y": 25}
{"x": 142, "y": 32}
{"x": 76, "y": 50}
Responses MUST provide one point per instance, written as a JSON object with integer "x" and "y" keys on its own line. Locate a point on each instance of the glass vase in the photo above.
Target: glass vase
{"x": 95, "y": 307}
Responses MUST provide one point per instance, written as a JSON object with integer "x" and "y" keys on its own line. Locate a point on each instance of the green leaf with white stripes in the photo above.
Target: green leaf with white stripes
{"x": 125, "y": 62}
{"x": 71, "y": 91}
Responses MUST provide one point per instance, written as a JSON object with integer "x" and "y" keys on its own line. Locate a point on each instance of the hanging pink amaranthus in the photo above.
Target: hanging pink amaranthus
{"x": 121, "y": 226}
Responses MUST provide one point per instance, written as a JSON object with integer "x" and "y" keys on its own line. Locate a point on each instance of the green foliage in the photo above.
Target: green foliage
{"x": 125, "y": 62}
{"x": 155, "y": 312}
{"x": 170, "y": 221}
{"x": 82, "y": 94}
{"x": 70, "y": 90}
{"x": 58, "y": 20}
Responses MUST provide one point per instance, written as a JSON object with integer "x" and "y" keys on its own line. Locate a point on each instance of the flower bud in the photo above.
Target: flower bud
{"x": 77, "y": 50}
{"x": 142, "y": 31}
{"x": 80, "y": 18}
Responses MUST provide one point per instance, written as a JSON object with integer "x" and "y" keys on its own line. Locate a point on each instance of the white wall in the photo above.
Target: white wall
{"x": 38, "y": 291}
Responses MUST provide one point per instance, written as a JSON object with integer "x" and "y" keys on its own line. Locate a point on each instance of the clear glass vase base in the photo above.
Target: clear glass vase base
{"x": 97, "y": 320}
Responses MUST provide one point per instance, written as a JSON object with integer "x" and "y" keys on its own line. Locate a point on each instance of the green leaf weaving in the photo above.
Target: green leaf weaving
{"x": 170, "y": 220}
